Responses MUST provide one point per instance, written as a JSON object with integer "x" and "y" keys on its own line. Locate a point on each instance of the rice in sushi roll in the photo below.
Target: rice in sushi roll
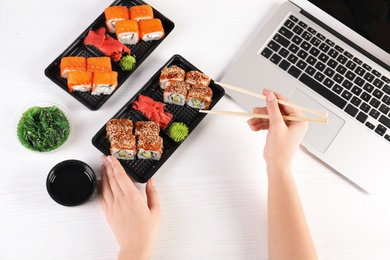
{"x": 175, "y": 92}
{"x": 149, "y": 147}
{"x": 171, "y": 73}
{"x": 79, "y": 81}
{"x": 199, "y": 97}
{"x": 104, "y": 82}
{"x": 114, "y": 14}
{"x": 141, "y": 12}
{"x": 127, "y": 31}
{"x": 151, "y": 29}
{"x": 124, "y": 146}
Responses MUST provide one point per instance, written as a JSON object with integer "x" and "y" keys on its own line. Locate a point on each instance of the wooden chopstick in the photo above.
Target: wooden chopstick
{"x": 282, "y": 102}
{"x": 287, "y": 118}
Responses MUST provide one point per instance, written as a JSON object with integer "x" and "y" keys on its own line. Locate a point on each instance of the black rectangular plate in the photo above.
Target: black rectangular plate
{"x": 140, "y": 169}
{"x": 140, "y": 51}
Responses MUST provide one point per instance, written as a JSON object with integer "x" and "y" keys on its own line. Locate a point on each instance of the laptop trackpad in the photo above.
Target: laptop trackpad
{"x": 319, "y": 135}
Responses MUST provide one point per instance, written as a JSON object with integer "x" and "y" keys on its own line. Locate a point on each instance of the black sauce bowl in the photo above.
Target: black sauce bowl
{"x": 71, "y": 182}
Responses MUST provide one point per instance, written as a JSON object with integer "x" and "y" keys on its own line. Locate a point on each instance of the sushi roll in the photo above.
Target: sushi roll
{"x": 199, "y": 97}
{"x": 197, "y": 78}
{"x": 171, "y": 73}
{"x": 146, "y": 128}
{"x": 141, "y": 12}
{"x": 124, "y": 146}
{"x": 116, "y": 127}
{"x": 71, "y": 64}
{"x": 104, "y": 82}
{"x": 151, "y": 29}
{"x": 175, "y": 92}
{"x": 114, "y": 14}
{"x": 79, "y": 81}
{"x": 98, "y": 64}
{"x": 127, "y": 31}
{"x": 149, "y": 147}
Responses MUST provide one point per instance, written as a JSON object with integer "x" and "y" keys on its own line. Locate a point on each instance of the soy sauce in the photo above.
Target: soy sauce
{"x": 71, "y": 183}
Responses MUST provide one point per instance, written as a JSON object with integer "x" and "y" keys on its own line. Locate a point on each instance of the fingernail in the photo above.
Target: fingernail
{"x": 153, "y": 182}
{"x": 103, "y": 158}
{"x": 270, "y": 96}
{"x": 109, "y": 158}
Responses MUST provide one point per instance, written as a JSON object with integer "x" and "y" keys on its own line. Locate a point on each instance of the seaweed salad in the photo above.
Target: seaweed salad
{"x": 43, "y": 129}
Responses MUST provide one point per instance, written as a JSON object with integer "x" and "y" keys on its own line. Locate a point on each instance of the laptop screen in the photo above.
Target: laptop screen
{"x": 369, "y": 18}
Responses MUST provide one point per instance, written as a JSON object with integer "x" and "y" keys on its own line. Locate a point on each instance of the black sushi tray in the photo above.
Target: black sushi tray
{"x": 142, "y": 169}
{"x": 140, "y": 51}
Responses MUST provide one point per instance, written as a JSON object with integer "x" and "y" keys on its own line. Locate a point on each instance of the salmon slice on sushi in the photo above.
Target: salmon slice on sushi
{"x": 118, "y": 126}
{"x": 151, "y": 29}
{"x": 124, "y": 146}
{"x": 127, "y": 31}
{"x": 146, "y": 128}
{"x": 195, "y": 77}
{"x": 149, "y": 147}
{"x": 99, "y": 64}
{"x": 175, "y": 92}
{"x": 71, "y": 64}
{"x": 199, "y": 97}
{"x": 104, "y": 82}
{"x": 79, "y": 81}
{"x": 141, "y": 12}
{"x": 171, "y": 73}
{"x": 114, "y": 14}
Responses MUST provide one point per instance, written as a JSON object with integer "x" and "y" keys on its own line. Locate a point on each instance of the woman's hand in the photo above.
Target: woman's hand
{"x": 283, "y": 137}
{"x": 134, "y": 221}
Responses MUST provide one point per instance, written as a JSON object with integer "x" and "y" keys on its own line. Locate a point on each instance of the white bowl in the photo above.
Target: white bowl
{"x": 43, "y": 104}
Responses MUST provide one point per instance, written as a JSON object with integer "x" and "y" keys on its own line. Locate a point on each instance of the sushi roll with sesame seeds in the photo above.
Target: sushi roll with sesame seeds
{"x": 175, "y": 92}
{"x": 195, "y": 77}
{"x": 146, "y": 128}
{"x": 150, "y": 147}
{"x": 199, "y": 97}
{"x": 124, "y": 146}
{"x": 171, "y": 73}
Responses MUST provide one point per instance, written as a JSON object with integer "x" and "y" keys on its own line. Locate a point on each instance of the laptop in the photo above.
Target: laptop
{"x": 332, "y": 56}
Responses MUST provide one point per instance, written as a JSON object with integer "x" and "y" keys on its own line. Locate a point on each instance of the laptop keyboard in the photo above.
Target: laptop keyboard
{"x": 332, "y": 72}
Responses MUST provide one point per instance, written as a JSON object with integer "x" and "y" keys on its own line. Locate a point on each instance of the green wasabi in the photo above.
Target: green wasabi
{"x": 178, "y": 131}
{"x": 127, "y": 62}
{"x": 43, "y": 129}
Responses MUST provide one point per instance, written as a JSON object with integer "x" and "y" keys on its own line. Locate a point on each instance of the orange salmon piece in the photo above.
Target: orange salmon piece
{"x": 141, "y": 12}
{"x": 71, "y": 64}
{"x": 114, "y": 14}
{"x": 79, "y": 81}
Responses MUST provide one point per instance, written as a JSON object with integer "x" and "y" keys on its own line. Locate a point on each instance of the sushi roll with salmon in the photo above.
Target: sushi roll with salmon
{"x": 71, "y": 64}
{"x": 124, "y": 146}
{"x": 151, "y": 29}
{"x": 127, "y": 31}
{"x": 197, "y": 78}
{"x": 175, "y": 92}
{"x": 114, "y": 14}
{"x": 79, "y": 81}
{"x": 99, "y": 64}
{"x": 146, "y": 128}
{"x": 199, "y": 97}
{"x": 171, "y": 73}
{"x": 141, "y": 12}
{"x": 149, "y": 147}
{"x": 118, "y": 126}
{"x": 104, "y": 82}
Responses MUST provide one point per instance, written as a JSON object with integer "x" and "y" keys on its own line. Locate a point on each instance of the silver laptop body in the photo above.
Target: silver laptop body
{"x": 358, "y": 149}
